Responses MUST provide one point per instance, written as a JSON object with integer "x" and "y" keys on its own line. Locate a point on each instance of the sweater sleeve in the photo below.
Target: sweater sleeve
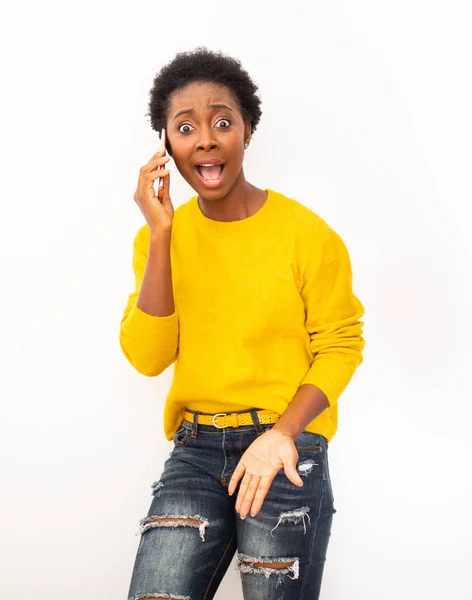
{"x": 333, "y": 315}
{"x": 150, "y": 343}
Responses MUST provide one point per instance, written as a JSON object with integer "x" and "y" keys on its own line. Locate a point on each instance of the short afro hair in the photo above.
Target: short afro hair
{"x": 202, "y": 64}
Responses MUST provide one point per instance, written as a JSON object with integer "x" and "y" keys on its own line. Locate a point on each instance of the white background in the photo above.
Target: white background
{"x": 366, "y": 120}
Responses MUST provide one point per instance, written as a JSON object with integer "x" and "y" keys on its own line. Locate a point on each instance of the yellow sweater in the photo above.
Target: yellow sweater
{"x": 262, "y": 306}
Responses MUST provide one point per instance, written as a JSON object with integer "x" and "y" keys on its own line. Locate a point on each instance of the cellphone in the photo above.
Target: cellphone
{"x": 160, "y": 185}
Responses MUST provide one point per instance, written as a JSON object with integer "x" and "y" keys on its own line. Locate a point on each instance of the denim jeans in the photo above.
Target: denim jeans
{"x": 192, "y": 531}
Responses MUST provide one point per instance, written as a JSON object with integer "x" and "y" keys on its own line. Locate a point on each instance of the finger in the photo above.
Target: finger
{"x": 160, "y": 160}
{"x": 153, "y": 164}
{"x": 160, "y": 152}
{"x": 242, "y": 490}
{"x": 149, "y": 182}
{"x": 153, "y": 175}
{"x": 165, "y": 190}
{"x": 150, "y": 178}
{"x": 238, "y": 473}
{"x": 292, "y": 474}
{"x": 261, "y": 493}
{"x": 249, "y": 496}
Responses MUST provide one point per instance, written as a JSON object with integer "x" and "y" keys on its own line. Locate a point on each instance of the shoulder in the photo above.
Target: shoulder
{"x": 315, "y": 239}
{"x": 307, "y": 223}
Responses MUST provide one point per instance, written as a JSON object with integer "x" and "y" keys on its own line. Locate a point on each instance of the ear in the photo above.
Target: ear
{"x": 247, "y": 133}
{"x": 168, "y": 146}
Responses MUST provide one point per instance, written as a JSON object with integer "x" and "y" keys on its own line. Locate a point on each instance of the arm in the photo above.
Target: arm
{"x": 307, "y": 404}
{"x": 156, "y": 295}
{"x": 149, "y": 329}
{"x": 333, "y": 323}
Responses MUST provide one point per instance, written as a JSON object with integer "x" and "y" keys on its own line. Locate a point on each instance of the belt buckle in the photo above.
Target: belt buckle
{"x": 218, "y": 415}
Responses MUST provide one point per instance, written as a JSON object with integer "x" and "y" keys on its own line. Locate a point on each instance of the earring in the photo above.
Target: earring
{"x": 246, "y": 145}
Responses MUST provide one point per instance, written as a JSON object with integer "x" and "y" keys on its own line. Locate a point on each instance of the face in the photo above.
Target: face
{"x": 205, "y": 127}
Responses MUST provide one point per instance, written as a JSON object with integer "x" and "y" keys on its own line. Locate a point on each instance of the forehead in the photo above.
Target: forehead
{"x": 199, "y": 95}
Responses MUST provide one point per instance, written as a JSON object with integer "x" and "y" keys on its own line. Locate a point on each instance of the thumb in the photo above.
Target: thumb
{"x": 292, "y": 473}
{"x": 166, "y": 202}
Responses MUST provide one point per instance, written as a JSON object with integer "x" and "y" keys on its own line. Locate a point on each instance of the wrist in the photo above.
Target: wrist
{"x": 286, "y": 430}
{"x": 158, "y": 232}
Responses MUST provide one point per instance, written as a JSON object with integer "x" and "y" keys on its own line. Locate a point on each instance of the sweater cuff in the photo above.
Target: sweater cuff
{"x": 139, "y": 325}
{"x": 329, "y": 378}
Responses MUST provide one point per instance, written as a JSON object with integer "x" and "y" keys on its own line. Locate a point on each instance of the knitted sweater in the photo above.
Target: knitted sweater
{"x": 263, "y": 305}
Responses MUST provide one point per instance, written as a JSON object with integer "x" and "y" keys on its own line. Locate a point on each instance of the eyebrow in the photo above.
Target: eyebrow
{"x": 187, "y": 111}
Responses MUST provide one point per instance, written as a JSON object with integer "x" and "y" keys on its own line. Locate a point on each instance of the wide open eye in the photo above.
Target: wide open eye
{"x": 224, "y": 120}
{"x": 185, "y": 125}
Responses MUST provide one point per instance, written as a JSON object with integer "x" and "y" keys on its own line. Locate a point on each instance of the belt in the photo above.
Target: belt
{"x": 233, "y": 419}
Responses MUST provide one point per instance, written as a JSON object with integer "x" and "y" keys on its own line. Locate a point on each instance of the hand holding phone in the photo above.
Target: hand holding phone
{"x": 157, "y": 207}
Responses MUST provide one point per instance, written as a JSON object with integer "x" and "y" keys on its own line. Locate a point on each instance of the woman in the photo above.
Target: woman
{"x": 250, "y": 293}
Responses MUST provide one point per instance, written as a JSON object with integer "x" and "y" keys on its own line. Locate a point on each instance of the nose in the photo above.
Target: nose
{"x": 207, "y": 145}
{"x": 207, "y": 141}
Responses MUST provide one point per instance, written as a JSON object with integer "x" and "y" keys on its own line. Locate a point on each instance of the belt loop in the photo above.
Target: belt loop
{"x": 255, "y": 420}
{"x": 195, "y": 424}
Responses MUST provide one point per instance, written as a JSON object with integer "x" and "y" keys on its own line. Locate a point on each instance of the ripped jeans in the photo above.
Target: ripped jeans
{"x": 192, "y": 531}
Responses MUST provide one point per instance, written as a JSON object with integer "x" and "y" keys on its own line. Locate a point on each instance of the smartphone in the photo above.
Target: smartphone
{"x": 160, "y": 185}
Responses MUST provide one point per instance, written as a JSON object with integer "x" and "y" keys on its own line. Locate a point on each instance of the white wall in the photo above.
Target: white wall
{"x": 366, "y": 121}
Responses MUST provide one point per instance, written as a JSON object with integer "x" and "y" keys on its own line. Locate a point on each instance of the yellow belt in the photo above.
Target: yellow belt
{"x": 233, "y": 419}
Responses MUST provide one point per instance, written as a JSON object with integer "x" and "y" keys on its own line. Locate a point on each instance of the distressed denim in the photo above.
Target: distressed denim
{"x": 192, "y": 531}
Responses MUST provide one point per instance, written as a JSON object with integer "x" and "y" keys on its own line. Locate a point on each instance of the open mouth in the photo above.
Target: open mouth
{"x": 211, "y": 175}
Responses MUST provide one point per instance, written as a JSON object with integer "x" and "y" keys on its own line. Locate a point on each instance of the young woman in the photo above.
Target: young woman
{"x": 250, "y": 294}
